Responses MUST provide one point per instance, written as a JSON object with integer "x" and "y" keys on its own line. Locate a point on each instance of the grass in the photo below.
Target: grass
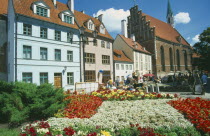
{"x": 9, "y": 132}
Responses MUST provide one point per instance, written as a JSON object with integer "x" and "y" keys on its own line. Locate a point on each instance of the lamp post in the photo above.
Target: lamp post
{"x": 82, "y": 41}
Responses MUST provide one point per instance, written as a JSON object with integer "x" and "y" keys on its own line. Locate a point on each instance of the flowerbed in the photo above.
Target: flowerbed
{"x": 115, "y": 117}
{"x": 196, "y": 110}
{"x": 129, "y": 95}
{"x": 80, "y": 106}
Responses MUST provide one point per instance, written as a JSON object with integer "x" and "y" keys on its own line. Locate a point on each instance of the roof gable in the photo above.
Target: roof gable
{"x": 41, "y": 3}
{"x": 164, "y": 30}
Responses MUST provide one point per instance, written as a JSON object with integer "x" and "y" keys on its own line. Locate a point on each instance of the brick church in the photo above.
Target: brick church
{"x": 171, "y": 52}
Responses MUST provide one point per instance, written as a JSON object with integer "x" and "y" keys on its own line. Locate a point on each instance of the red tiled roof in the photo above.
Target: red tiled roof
{"x": 195, "y": 55}
{"x": 122, "y": 57}
{"x": 164, "y": 30}
{"x": 3, "y": 6}
{"x": 131, "y": 43}
{"x": 82, "y": 18}
{"x": 23, "y": 7}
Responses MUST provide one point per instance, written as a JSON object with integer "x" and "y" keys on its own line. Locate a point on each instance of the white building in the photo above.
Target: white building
{"x": 39, "y": 43}
{"x": 140, "y": 57}
{"x": 123, "y": 65}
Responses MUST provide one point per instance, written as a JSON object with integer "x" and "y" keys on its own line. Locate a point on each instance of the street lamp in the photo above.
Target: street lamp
{"x": 83, "y": 40}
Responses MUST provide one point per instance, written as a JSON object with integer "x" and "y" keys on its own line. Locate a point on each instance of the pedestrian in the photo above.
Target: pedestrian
{"x": 117, "y": 82}
{"x": 204, "y": 79}
{"x": 110, "y": 83}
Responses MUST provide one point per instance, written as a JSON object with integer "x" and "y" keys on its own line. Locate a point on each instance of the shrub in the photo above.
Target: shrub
{"x": 23, "y": 101}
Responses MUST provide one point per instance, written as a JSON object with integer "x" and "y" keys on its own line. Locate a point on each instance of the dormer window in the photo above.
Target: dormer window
{"x": 90, "y": 25}
{"x": 102, "y": 29}
{"x": 68, "y": 19}
{"x": 41, "y": 11}
{"x": 41, "y": 8}
{"x": 67, "y": 16}
{"x": 119, "y": 56}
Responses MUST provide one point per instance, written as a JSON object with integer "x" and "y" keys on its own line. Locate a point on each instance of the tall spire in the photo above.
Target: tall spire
{"x": 170, "y": 16}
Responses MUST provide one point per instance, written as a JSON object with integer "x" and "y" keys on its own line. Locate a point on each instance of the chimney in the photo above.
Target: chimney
{"x": 83, "y": 11}
{"x": 54, "y": 2}
{"x": 124, "y": 28}
{"x": 100, "y": 17}
{"x": 70, "y": 4}
{"x": 133, "y": 37}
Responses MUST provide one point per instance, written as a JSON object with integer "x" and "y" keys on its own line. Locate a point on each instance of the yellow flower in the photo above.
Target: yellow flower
{"x": 105, "y": 133}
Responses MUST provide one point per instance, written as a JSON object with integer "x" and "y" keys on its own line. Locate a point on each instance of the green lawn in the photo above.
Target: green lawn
{"x": 9, "y": 132}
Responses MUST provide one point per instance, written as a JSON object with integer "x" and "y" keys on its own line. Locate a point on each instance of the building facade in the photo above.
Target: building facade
{"x": 123, "y": 66}
{"x": 171, "y": 52}
{"x": 40, "y": 48}
{"x": 43, "y": 43}
{"x": 98, "y": 52}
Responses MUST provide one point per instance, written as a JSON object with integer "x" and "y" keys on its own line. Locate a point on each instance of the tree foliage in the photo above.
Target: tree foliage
{"x": 202, "y": 48}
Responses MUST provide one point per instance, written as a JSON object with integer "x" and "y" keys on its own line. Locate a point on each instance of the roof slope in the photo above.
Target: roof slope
{"x": 82, "y": 18}
{"x": 132, "y": 43}
{"x": 164, "y": 30}
{"x": 3, "y": 6}
{"x": 122, "y": 57}
{"x": 23, "y": 7}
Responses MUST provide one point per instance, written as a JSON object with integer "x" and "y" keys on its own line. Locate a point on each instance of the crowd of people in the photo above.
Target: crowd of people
{"x": 134, "y": 81}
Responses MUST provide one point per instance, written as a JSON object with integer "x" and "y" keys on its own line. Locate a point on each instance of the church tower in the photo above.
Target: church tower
{"x": 170, "y": 16}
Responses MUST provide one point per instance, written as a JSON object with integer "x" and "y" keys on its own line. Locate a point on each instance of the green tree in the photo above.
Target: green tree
{"x": 202, "y": 48}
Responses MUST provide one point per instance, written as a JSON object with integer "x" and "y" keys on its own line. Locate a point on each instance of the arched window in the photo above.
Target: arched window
{"x": 162, "y": 58}
{"x": 171, "y": 59}
{"x": 185, "y": 59}
{"x": 178, "y": 59}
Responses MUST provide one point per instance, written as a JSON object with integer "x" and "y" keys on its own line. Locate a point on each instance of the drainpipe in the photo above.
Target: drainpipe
{"x": 16, "y": 17}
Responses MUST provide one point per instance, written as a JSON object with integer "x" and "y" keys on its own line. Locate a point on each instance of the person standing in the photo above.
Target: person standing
{"x": 110, "y": 83}
{"x": 204, "y": 79}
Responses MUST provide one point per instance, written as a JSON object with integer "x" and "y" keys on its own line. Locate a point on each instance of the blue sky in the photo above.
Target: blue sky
{"x": 192, "y": 16}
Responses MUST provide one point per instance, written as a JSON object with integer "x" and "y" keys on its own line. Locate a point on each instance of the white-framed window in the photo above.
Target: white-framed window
{"x": 70, "y": 56}
{"x": 130, "y": 67}
{"x": 43, "y": 33}
{"x": 70, "y": 36}
{"x": 90, "y": 26}
{"x": 58, "y": 35}
{"x": 95, "y": 43}
{"x": 70, "y": 78}
{"x": 27, "y": 29}
{"x": 43, "y": 78}
{"x": 68, "y": 19}
{"x": 43, "y": 53}
{"x": 126, "y": 67}
{"x": 108, "y": 45}
{"x": 57, "y": 55}
{"x": 122, "y": 66}
{"x": 117, "y": 66}
{"x": 27, "y": 51}
{"x": 27, "y": 77}
{"x": 103, "y": 44}
{"x": 41, "y": 11}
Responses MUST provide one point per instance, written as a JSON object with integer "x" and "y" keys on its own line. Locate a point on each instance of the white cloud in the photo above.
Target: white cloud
{"x": 195, "y": 39}
{"x": 188, "y": 38}
{"x": 182, "y": 18}
{"x": 112, "y": 18}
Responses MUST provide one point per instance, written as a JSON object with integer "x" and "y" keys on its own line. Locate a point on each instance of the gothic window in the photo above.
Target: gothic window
{"x": 171, "y": 59}
{"x": 185, "y": 60}
{"x": 162, "y": 58}
{"x": 178, "y": 59}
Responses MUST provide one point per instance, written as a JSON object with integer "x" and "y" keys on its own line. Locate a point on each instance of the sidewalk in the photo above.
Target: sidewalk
{"x": 190, "y": 95}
